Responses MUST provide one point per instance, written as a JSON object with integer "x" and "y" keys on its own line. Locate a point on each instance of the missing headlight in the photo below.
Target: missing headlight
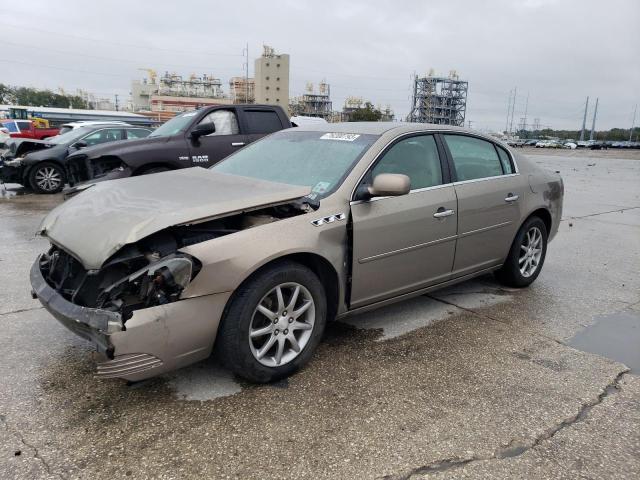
{"x": 159, "y": 283}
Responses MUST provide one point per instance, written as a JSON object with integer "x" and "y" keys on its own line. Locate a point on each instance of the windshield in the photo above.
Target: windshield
{"x": 319, "y": 160}
{"x": 174, "y": 125}
{"x": 70, "y": 136}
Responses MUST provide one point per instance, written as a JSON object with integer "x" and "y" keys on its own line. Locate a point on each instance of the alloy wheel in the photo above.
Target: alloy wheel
{"x": 282, "y": 324}
{"x": 530, "y": 252}
{"x": 48, "y": 178}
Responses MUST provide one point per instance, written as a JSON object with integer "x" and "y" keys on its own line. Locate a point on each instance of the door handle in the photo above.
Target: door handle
{"x": 442, "y": 212}
{"x": 237, "y": 144}
{"x": 511, "y": 198}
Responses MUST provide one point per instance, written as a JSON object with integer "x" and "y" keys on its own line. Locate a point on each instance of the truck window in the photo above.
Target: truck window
{"x": 24, "y": 126}
{"x": 225, "y": 122}
{"x": 263, "y": 121}
{"x": 11, "y": 126}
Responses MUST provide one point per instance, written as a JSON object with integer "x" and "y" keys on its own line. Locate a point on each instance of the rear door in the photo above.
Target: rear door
{"x": 489, "y": 192}
{"x": 260, "y": 122}
{"x": 210, "y": 149}
{"x": 404, "y": 243}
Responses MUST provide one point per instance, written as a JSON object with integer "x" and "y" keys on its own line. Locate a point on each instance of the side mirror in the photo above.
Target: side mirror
{"x": 203, "y": 129}
{"x": 80, "y": 144}
{"x": 390, "y": 185}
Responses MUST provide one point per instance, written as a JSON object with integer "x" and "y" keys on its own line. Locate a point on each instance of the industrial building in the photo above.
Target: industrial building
{"x": 272, "y": 78}
{"x": 439, "y": 100}
{"x": 161, "y": 98}
{"x": 242, "y": 90}
{"x": 312, "y": 103}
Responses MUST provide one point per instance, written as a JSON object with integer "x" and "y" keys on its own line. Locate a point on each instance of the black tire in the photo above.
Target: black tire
{"x": 510, "y": 273}
{"x": 56, "y": 181}
{"x": 232, "y": 342}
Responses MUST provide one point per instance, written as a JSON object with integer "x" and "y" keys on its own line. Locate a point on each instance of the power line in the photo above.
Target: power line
{"x": 97, "y": 40}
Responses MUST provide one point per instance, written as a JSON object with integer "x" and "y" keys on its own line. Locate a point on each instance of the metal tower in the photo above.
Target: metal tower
{"x": 593, "y": 125}
{"x": 584, "y": 120}
{"x": 439, "y": 100}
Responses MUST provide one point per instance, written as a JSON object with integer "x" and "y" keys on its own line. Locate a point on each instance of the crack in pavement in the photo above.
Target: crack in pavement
{"x": 600, "y": 213}
{"x": 20, "y": 310}
{"x": 495, "y": 319}
{"x": 36, "y": 453}
{"x": 515, "y": 448}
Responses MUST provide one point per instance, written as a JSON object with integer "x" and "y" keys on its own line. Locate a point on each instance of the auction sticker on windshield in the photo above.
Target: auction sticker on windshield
{"x": 345, "y": 137}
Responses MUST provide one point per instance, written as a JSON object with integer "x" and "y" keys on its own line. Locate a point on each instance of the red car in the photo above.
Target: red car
{"x": 26, "y": 129}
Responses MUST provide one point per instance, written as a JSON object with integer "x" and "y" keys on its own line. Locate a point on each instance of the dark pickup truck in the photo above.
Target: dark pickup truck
{"x": 197, "y": 138}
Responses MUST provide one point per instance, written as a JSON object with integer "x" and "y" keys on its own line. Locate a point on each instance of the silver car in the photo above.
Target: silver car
{"x": 253, "y": 256}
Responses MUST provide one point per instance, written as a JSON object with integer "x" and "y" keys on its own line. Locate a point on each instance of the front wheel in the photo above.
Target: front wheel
{"x": 273, "y": 324}
{"x": 47, "y": 177}
{"x": 526, "y": 256}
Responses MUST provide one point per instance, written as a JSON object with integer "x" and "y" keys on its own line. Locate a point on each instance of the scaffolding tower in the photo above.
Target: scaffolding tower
{"x": 439, "y": 100}
{"x": 312, "y": 104}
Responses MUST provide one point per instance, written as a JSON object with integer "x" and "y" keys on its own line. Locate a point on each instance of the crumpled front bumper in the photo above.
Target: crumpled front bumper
{"x": 153, "y": 341}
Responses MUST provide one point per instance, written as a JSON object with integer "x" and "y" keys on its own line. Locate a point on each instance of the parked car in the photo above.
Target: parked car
{"x": 27, "y": 129}
{"x": 87, "y": 123}
{"x": 4, "y": 136}
{"x": 40, "y": 164}
{"x": 570, "y": 145}
{"x": 515, "y": 143}
{"x": 531, "y": 143}
{"x": 309, "y": 224}
{"x": 197, "y": 138}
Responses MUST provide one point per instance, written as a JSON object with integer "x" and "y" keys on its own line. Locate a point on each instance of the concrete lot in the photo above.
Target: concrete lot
{"x": 475, "y": 381}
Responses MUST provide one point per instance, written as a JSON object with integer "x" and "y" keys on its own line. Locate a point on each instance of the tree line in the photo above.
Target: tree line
{"x": 14, "y": 95}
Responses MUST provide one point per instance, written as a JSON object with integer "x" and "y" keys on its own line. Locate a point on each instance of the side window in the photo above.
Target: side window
{"x": 473, "y": 158}
{"x": 417, "y": 157}
{"x": 11, "y": 126}
{"x": 225, "y": 122}
{"x": 103, "y": 136}
{"x": 23, "y": 126}
{"x": 263, "y": 121}
{"x": 507, "y": 166}
{"x": 137, "y": 133}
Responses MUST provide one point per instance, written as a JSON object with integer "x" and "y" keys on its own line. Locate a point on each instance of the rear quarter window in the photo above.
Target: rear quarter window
{"x": 262, "y": 121}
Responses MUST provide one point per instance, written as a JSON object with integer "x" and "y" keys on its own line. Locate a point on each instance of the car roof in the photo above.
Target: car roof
{"x": 377, "y": 128}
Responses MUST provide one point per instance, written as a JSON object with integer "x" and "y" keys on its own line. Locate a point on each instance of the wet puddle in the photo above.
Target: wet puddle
{"x": 615, "y": 336}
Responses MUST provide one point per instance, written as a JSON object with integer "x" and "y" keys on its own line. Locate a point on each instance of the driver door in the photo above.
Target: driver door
{"x": 404, "y": 243}
{"x": 208, "y": 150}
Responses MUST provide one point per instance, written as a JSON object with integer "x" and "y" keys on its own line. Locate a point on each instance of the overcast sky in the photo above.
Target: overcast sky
{"x": 556, "y": 51}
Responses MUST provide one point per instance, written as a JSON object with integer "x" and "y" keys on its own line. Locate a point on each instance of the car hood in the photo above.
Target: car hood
{"x": 98, "y": 222}
{"x": 17, "y": 147}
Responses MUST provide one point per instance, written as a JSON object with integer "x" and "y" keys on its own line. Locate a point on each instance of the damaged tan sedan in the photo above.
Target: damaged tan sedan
{"x": 251, "y": 258}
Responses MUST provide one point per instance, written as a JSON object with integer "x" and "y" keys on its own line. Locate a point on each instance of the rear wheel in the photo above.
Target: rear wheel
{"x": 526, "y": 256}
{"x": 47, "y": 177}
{"x": 273, "y": 324}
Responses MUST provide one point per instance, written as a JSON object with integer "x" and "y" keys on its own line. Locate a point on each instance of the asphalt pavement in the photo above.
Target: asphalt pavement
{"x": 475, "y": 381}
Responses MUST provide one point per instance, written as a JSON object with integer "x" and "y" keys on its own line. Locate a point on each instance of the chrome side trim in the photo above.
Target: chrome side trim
{"x": 328, "y": 219}
{"x": 463, "y": 182}
{"x": 485, "y": 229}
{"x": 406, "y": 249}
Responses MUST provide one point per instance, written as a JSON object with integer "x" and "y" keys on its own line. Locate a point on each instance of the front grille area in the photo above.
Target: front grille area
{"x": 63, "y": 273}
{"x": 123, "y": 365}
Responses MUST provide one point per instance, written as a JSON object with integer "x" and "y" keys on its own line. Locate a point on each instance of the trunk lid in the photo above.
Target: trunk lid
{"x": 98, "y": 222}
